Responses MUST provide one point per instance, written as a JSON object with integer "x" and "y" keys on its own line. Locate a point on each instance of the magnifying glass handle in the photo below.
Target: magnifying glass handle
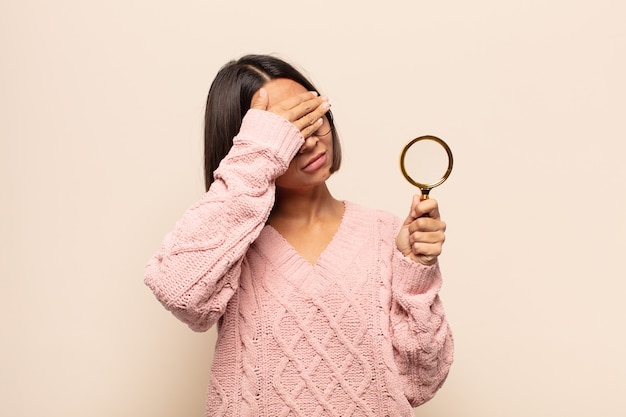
{"x": 425, "y": 196}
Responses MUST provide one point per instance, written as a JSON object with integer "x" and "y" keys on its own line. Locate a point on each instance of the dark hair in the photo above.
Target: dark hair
{"x": 229, "y": 99}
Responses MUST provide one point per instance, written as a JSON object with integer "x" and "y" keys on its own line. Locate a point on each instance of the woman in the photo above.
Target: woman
{"x": 324, "y": 307}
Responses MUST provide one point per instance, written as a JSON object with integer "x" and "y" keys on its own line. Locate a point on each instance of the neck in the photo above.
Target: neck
{"x": 305, "y": 205}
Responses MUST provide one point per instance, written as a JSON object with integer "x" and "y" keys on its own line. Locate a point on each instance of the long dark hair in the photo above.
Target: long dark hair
{"x": 229, "y": 99}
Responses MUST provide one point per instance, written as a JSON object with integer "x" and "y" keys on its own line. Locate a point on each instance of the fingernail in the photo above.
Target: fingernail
{"x": 315, "y": 93}
{"x": 325, "y": 105}
{"x": 263, "y": 93}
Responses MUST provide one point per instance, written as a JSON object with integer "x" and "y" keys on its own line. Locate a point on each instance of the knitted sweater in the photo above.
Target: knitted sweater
{"x": 362, "y": 332}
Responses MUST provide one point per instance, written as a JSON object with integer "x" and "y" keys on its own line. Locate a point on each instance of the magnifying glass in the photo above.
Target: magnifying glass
{"x": 427, "y": 160}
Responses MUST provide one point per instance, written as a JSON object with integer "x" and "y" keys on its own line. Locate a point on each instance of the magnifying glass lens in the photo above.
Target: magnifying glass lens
{"x": 426, "y": 161}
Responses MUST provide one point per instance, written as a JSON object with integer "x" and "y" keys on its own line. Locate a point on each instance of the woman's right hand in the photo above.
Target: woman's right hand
{"x": 304, "y": 110}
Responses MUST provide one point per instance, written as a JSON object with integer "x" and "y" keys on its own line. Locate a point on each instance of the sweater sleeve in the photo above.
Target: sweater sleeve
{"x": 196, "y": 271}
{"x": 421, "y": 336}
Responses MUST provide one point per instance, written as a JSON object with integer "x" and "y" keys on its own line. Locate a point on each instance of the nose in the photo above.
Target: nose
{"x": 309, "y": 143}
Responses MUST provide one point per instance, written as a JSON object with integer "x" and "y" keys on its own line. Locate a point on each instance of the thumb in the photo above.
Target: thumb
{"x": 414, "y": 213}
{"x": 260, "y": 100}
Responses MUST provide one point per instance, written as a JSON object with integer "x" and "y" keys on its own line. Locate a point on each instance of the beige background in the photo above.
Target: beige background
{"x": 101, "y": 108}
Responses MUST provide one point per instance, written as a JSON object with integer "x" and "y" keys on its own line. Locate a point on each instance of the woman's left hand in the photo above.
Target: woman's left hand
{"x": 423, "y": 232}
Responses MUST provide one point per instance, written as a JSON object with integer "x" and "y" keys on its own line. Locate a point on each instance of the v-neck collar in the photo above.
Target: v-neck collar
{"x": 334, "y": 259}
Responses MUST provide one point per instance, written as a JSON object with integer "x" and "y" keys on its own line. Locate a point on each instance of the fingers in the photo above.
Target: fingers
{"x": 426, "y": 246}
{"x": 300, "y": 104}
{"x": 427, "y": 208}
{"x": 307, "y": 116}
{"x": 426, "y": 231}
{"x": 426, "y": 223}
{"x": 304, "y": 110}
{"x": 304, "y": 124}
{"x": 422, "y": 208}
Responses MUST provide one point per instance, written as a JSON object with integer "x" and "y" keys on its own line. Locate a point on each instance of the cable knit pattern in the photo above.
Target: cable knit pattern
{"x": 360, "y": 333}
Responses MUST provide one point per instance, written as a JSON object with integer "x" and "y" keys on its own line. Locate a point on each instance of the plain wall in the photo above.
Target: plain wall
{"x": 101, "y": 106}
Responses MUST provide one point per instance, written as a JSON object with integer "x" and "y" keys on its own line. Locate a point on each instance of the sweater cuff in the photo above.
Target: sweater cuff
{"x": 413, "y": 277}
{"x": 271, "y": 131}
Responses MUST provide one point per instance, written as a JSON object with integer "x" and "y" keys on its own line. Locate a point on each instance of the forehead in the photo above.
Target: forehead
{"x": 281, "y": 89}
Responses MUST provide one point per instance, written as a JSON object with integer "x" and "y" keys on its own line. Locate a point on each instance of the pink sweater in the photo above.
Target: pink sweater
{"x": 360, "y": 333}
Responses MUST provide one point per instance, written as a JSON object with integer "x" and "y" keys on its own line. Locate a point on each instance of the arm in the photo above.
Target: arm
{"x": 420, "y": 333}
{"x": 422, "y": 340}
{"x": 196, "y": 271}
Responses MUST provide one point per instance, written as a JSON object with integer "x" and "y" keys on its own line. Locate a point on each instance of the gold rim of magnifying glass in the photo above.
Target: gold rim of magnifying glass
{"x": 426, "y": 187}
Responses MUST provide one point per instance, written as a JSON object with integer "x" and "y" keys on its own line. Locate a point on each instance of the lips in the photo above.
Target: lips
{"x": 315, "y": 163}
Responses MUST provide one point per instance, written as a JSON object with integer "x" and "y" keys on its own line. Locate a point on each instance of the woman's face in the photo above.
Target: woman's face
{"x": 312, "y": 165}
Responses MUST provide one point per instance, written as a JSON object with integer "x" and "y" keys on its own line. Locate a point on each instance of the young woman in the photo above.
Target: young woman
{"x": 323, "y": 307}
